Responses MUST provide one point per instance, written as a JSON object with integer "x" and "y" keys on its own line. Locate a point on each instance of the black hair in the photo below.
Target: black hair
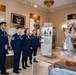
{"x": 25, "y": 31}
{"x": 19, "y": 27}
{"x": 1, "y": 23}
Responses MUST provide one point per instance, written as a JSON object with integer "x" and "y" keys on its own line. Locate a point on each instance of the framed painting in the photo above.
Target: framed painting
{"x": 18, "y": 20}
{"x": 34, "y": 22}
{"x": 71, "y": 22}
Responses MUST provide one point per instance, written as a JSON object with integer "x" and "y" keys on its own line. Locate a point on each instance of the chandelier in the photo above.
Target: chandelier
{"x": 48, "y": 3}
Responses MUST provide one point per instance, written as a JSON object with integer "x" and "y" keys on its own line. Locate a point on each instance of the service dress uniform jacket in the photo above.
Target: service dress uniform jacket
{"x": 34, "y": 45}
{"x": 16, "y": 43}
{"x": 3, "y": 42}
{"x": 26, "y": 44}
{"x": 35, "y": 41}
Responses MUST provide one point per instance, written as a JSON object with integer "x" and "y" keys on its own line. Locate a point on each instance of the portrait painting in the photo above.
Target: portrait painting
{"x": 34, "y": 22}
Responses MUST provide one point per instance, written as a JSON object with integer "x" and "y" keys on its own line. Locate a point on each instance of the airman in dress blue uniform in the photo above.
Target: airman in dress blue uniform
{"x": 3, "y": 47}
{"x": 34, "y": 45}
{"x": 16, "y": 43}
{"x": 26, "y": 45}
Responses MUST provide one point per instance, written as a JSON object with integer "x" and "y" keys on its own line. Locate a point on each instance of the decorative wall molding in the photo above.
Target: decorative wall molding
{"x": 63, "y": 7}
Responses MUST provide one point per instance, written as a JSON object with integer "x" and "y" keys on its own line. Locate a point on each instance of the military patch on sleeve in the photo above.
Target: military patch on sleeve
{"x": 13, "y": 38}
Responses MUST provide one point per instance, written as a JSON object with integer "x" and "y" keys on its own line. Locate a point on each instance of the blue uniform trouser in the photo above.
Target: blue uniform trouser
{"x": 30, "y": 56}
{"x": 16, "y": 61}
{"x": 24, "y": 61}
{"x": 2, "y": 60}
{"x": 33, "y": 52}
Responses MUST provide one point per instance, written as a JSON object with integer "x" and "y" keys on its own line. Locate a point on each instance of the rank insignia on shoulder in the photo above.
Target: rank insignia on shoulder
{"x": 13, "y": 38}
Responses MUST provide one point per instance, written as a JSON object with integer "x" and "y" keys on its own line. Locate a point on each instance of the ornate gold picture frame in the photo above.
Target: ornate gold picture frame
{"x": 18, "y": 20}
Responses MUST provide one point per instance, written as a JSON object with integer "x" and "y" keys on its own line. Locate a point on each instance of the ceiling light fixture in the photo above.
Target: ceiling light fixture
{"x": 48, "y": 3}
{"x": 25, "y": 2}
{"x": 35, "y": 6}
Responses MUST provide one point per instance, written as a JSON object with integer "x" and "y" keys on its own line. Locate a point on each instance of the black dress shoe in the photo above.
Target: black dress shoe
{"x": 24, "y": 67}
{"x": 19, "y": 69}
{"x": 27, "y": 65}
{"x": 31, "y": 62}
{"x": 36, "y": 61}
{"x": 16, "y": 72}
{"x": 5, "y": 73}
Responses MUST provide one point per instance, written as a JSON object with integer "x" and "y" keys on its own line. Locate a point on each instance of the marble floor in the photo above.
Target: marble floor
{"x": 40, "y": 68}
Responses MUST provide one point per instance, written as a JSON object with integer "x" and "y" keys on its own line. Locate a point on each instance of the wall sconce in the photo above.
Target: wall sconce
{"x": 64, "y": 26}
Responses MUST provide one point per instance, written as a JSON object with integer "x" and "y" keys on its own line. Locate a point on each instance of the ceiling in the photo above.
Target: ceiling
{"x": 57, "y": 3}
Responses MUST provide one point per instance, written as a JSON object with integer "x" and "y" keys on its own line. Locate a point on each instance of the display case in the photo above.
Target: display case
{"x": 53, "y": 66}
